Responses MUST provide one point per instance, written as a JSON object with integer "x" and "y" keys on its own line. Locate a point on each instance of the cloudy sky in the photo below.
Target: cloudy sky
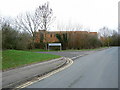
{"x": 91, "y": 14}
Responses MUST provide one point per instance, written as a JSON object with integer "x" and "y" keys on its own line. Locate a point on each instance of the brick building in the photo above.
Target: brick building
{"x": 50, "y": 36}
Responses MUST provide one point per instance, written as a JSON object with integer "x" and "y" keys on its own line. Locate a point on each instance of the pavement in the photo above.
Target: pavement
{"x": 17, "y": 76}
{"x": 96, "y": 70}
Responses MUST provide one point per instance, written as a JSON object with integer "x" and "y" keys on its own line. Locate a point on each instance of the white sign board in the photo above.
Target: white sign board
{"x": 54, "y": 44}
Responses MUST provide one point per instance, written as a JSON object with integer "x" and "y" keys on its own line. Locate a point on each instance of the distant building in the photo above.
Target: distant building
{"x": 50, "y": 36}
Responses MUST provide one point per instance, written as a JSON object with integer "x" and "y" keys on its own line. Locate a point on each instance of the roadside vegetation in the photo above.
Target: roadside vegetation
{"x": 21, "y": 33}
{"x": 17, "y": 58}
{"x": 37, "y": 50}
{"x": 42, "y": 50}
{"x": 100, "y": 48}
{"x": 19, "y": 38}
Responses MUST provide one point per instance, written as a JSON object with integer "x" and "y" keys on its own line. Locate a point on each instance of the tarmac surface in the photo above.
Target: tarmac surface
{"x": 15, "y": 76}
{"x": 70, "y": 54}
{"x": 96, "y": 70}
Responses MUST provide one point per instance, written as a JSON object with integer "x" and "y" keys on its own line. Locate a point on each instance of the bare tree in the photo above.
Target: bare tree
{"x": 39, "y": 20}
{"x": 105, "y": 33}
{"x": 1, "y": 20}
{"x": 71, "y": 35}
{"x": 44, "y": 14}
{"x": 4, "y": 21}
{"x": 69, "y": 27}
{"x": 27, "y": 23}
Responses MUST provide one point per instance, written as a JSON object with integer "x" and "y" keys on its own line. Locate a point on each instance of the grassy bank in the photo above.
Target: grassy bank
{"x": 100, "y": 48}
{"x": 93, "y": 49}
{"x": 42, "y": 50}
{"x": 16, "y": 58}
{"x": 38, "y": 50}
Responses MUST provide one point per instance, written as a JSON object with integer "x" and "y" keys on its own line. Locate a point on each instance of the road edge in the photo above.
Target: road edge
{"x": 65, "y": 65}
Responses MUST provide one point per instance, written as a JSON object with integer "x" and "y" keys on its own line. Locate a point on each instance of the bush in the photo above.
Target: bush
{"x": 40, "y": 45}
{"x": 9, "y": 37}
{"x": 24, "y": 41}
{"x": 83, "y": 41}
{"x": 12, "y": 39}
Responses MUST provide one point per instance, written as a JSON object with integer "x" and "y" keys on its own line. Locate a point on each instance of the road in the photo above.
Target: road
{"x": 96, "y": 70}
{"x": 22, "y": 74}
{"x": 69, "y": 54}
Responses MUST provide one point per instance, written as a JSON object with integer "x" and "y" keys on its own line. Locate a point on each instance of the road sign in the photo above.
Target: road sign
{"x": 54, "y": 44}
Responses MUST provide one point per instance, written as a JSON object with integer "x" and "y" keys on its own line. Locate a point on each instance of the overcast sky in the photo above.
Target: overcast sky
{"x": 92, "y": 14}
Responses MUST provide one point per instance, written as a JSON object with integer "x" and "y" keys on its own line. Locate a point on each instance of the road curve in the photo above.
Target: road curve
{"x": 97, "y": 70}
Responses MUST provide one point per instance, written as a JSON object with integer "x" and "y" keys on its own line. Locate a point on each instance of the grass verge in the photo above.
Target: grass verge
{"x": 42, "y": 50}
{"x": 93, "y": 49}
{"x": 16, "y": 58}
{"x": 85, "y": 49}
{"x": 38, "y": 50}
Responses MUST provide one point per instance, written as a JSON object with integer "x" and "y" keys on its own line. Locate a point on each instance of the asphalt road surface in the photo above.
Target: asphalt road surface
{"x": 69, "y": 54}
{"x": 15, "y": 76}
{"x": 96, "y": 70}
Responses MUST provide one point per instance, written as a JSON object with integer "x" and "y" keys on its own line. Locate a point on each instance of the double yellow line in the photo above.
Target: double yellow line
{"x": 68, "y": 63}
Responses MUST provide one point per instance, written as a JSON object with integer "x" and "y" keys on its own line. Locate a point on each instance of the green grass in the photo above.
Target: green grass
{"x": 38, "y": 50}
{"x": 85, "y": 49}
{"x": 42, "y": 50}
{"x": 16, "y": 58}
{"x": 92, "y": 49}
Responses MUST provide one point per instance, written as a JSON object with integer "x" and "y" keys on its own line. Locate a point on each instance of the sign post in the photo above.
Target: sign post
{"x": 54, "y": 44}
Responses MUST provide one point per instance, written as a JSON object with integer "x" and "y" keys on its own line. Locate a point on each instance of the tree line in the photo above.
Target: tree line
{"x": 109, "y": 37}
{"x": 86, "y": 40}
{"x": 20, "y": 32}
{"x": 25, "y": 26}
